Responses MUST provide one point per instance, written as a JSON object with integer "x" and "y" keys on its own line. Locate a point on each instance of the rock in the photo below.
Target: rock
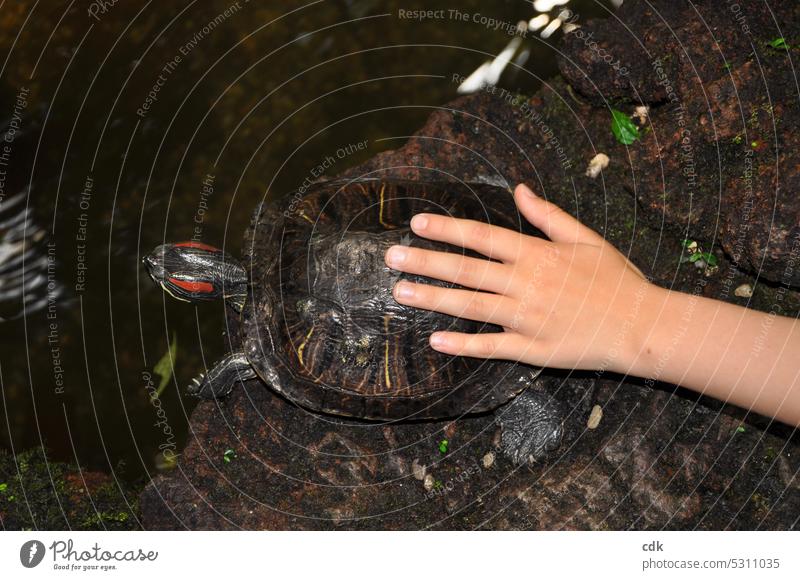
{"x": 661, "y": 458}
{"x": 39, "y": 493}
{"x": 723, "y": 150}
{"x": 418, "y": 470}
{"x": 744, "y": 291}
{"x": 595, "y": 417}
{"x": 641, "y": 114}
{"x": 596, "y": 165}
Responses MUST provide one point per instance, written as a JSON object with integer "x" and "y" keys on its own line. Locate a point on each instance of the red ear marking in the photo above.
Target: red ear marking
{"x": 197, "y": 245}
{"x": 193, "y": 287}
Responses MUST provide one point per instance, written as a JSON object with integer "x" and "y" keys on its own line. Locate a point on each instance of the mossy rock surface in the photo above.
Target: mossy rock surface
{"x": 38, "y": 494}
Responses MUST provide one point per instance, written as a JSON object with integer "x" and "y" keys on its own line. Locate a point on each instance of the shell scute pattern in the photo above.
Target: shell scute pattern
{"x": 327, "y": 323}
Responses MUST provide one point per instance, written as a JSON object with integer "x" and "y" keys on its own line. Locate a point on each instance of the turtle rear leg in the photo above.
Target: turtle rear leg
{"x": 222, "y": 377}
{"x": 532, "y": 426}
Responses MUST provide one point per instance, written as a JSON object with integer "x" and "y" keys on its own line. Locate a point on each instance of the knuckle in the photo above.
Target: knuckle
{"x": 480, "y": 232}
{"x": 526, "y": 312}
{"x": 483, "y": 347}
{"x": 536, "y": 313}
{"x": 520, "y": 251}
{"x": 553, "y": 210}
{"x": 418, "y": 259}
{"x": 476, "y": 307}
{"x": 469, "y": 271}
{"x": 552, "y": 252}
{"x": 547, "y": 255}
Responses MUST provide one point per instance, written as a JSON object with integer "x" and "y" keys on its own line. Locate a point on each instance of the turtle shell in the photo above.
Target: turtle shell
{"x": 320, "y": 324}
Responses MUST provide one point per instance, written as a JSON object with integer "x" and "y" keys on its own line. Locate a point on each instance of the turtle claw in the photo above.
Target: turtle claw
{"x": 195, "y": 386}
{"x": 532, "y": 427}
{"x": 222, "y": 377}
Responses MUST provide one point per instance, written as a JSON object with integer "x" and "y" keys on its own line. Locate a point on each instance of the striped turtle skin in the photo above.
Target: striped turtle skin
{"x": 320, "y": 325}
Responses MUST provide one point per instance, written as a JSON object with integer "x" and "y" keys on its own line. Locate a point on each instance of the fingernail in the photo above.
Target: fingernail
{"x": 528, "y": 190}
{"x": 396, "y": 255}
{"x": 403, "y": 290}
{"x": 419, "y": 222}
{"x": 437, "y": 339}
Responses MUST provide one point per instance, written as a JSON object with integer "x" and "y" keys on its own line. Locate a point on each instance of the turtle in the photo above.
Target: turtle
{"x": 319, "y": 325}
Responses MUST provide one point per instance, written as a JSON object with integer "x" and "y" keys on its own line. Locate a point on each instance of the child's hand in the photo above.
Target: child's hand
{"x": 576, "y": 302}
{"x": 573, "y": 302}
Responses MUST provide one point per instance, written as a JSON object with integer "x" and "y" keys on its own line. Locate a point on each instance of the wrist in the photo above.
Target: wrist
{"x": 640, "y": 353}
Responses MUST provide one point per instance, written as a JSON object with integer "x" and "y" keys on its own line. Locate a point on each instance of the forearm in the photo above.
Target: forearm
{"x": 559, "y": 312}
{"x": 738, "y": 355}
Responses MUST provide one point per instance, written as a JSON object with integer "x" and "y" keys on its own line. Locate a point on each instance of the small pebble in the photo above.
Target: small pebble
{"x": 744, "y": 291}
{"x": 418, "y": 470}
{"x": 641, "y": 113}
{"x": 488, "y": 460}
{"x": 596, "y": 165}
{"x": 594, "y": 417}
{"x": 428, "y": 483}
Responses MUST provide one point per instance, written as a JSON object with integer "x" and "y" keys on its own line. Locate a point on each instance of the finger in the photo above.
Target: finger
{"x": 493, "y": 241}
{"x": 497, "y": 345}
{"x": 470, "y": 272}
{"x": 468, "y": 304}
{"x": 556, "y": 224}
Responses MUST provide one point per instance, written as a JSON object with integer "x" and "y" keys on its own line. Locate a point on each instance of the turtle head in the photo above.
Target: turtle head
{"x": 194, "y": 272}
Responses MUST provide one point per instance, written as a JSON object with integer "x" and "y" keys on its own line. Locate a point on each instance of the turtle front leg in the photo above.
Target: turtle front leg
{"x": 221, "y": 378}
{"x": 531, "y": 426}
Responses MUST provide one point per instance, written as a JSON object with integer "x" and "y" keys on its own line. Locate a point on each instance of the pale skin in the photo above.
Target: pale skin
{"x": 575, "y": 302}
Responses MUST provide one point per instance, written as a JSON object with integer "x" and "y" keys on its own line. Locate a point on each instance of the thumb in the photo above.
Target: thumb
{"x": 556, "y": 224}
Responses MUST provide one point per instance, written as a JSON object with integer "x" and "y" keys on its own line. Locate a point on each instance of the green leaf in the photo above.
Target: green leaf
{"x": 165, "y": 367}
{"x": 779, "y": 42}
{"x": 3, "y": 487}
{"x": 443, "y": 446}
{"x": 707, "y": 257}
{"x": 228, "y": 455}
{"x": 623, "y": 128}
{"x": 710, "y": 258}
{"x": 687, "y": 243}
{"x": 740, "y": 429}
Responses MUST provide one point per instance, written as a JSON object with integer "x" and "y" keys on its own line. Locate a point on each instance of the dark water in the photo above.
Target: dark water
{"x": 246, "y": 100}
